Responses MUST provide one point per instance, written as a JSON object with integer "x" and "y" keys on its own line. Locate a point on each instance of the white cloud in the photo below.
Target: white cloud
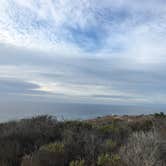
{"x": 52, "y": 18}
{"x": 129, "y": 37}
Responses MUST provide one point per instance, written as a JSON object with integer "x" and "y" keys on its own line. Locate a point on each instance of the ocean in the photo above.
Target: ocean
{"x": 71, "y": 111}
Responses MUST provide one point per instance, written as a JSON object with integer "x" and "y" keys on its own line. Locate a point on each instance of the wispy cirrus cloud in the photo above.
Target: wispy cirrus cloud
{"x": 75, "y": 24}
{"x": 85, "y": 51}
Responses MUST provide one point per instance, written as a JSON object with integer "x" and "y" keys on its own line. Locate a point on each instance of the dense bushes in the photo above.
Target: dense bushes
{"x": 43, "y": 141}
{"x": 25, "y": 136}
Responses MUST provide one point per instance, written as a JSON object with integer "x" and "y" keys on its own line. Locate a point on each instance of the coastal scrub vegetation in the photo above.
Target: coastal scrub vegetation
{"x": 107, "y": 141}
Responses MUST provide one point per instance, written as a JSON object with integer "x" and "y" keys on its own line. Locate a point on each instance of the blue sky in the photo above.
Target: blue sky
{"x": 87, "y": 51}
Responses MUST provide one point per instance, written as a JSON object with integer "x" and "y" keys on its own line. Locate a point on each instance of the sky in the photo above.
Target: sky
{"x": 87, "y": 51}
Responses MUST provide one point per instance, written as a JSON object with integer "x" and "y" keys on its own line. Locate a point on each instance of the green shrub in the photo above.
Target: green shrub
{"x": 52, "y": 154}
{"x": 107, "y": 129}
{"x": 110, "y": 144}
{"x": 107, "y": 160}
{"x": 77, "y": 163}
{"x": 53, "y": 147}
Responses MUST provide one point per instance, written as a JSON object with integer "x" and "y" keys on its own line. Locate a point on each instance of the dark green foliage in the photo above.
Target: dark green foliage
{"x": 159, "y": 115}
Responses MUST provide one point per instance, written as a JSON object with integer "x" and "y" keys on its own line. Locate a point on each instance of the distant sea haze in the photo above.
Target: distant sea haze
{"x": 68, "y": 111}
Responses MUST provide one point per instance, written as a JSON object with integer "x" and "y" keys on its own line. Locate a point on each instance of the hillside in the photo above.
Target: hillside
{"x": 105, "y": 141}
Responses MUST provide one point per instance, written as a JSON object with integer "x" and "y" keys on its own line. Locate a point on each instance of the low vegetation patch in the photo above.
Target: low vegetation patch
{"x": 118, "y": 141}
